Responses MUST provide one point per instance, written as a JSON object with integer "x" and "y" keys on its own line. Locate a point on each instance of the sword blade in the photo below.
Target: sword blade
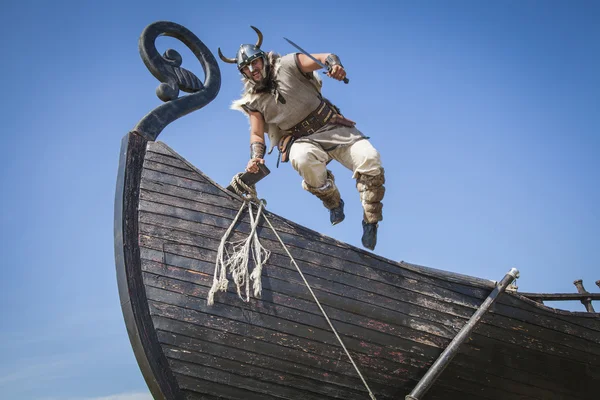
{"x": 306, "y": 53}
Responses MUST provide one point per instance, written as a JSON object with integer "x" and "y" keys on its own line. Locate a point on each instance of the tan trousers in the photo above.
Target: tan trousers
{"x": 310, "y": 160}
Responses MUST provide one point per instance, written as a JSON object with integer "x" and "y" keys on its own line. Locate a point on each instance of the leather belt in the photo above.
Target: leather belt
{"x": 317, "y": 119}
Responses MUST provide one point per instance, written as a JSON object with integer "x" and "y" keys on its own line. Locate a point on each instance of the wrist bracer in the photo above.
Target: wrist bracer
{"x": 257, "y": 150}
{"x": 332, "y": 60}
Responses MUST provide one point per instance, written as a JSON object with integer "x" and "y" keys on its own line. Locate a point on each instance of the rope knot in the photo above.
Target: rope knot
{"x": 248, "y": 192}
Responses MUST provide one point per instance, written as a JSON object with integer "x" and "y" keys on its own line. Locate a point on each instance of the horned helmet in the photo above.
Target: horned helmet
{"x": 248, "y": 53}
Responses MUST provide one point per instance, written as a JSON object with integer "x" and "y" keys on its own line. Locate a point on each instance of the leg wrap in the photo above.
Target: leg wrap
{"x": 371, "y": 191}
{"x": 328, "y": 193}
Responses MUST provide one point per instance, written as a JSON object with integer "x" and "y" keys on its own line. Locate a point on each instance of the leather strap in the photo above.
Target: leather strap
{"x": 257, "y": 150}
{"x": 284, "y": 146}
{"x": 314, "y": 121}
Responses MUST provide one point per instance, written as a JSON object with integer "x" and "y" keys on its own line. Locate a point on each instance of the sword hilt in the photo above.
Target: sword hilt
{"x": 346, "y": 80}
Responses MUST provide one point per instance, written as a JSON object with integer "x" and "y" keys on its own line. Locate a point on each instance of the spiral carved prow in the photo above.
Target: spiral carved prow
{"x": 167, "y": 69}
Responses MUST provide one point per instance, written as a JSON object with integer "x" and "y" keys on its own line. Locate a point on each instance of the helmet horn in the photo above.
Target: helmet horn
{"x": 260, "y": 36}
{"x": 227, "y": 60}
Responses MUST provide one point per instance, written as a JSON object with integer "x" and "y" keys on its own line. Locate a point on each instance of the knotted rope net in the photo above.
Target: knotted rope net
{"x": 234, "y": 256}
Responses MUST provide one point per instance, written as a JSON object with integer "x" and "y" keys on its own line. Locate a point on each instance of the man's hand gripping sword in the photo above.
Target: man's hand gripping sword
{"x": 328, "y": 68}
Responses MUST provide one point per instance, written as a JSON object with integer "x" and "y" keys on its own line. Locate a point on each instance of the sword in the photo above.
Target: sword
{"x": 346, "y": 80}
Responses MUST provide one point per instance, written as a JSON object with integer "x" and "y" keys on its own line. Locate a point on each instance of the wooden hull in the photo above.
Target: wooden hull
{"x": 395, "y": 318}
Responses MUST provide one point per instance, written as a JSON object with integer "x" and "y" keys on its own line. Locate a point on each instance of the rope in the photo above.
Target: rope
{"x": 234, "y": 256}
{"x": 322, "y": 310}
{"x": 239, "y": 260}
{"x": 246, "y": 191}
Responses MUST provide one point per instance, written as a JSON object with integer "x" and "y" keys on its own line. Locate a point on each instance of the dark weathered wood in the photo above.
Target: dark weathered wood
{"x": 514, "y": 353}
{"x": 395, "y": 318}
{"x": 170, "y": 160}
{"x": 142, "y": 334}
{"x": 193, "y": 395}
{"x": 287, "y": 227}
{"x": 284, "y": 263}
{"x": 197, "y": 386}
{"x": 334, "y": 314}
{"x": 243, "y": 227}
{"x": 157, "y": 176}
{"x": 561, "y": 296}
{"x": 269, "y": 374}
{"x": 175, "y": 171}
{"x": 476, "y": 349}
{"x": 249, "y": 358}
{"x": 167, "y": 69}
{"x": 586, "y": 300}
{"x": 151, "y": 191}
{"x": 287, "y": 340}
{"x": 161, "y": 148}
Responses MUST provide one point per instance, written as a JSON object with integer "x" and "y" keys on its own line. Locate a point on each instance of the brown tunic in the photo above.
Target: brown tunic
{"x": 302, "y": 95}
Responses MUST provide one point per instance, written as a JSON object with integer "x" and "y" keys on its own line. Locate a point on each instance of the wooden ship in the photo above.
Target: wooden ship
{"x": 380, "y": 329}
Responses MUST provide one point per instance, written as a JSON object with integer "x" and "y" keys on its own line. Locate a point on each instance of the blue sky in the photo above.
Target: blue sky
{"x": 486, "y": 115}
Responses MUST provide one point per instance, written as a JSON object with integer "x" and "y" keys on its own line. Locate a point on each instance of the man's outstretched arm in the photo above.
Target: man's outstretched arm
{"x": 257, "y": 141}
{"x": 307, "y": 65}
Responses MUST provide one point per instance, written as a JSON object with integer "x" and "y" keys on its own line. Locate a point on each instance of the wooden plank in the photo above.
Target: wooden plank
{"x": 476, "y": 348}
{"x": 157, "y": 176}
{"x": 384, "y": 360}
{"x": 151, "y": 191}
{"x": 265, "y": 354}
{"x": 193, "y": 395}
{"x": 222, "y": 373}
{"x": 163, "y": 148}
{"x": 589, "y": 321}
{"x": 561, "y": 296}
{"x": 144, "y": 341}
{"x": 367, "y": 371}
{"x": 512, "y": 353}
{"x": 283, "y": 292}
{"x": 467, "y": 366}
{"x": 365, "y": 315}
{"x": 171, "y": 161}
{"x": 237, "y": 328}
{"x": 188, "y": 243}
{"x": 297, "y": 327}
{"x": 358, "y": 329}
{"x": 500, "y": 321}
{"x": 187, "y": 218}
{"x": 362, "y": 314}
{"x": 300, "y": 324}
{"x": 281, "y": 277}
{"x": 166, "y": 169}
{"x": 474, "y": 304}
{"x": 285, "y": 227}
{"x": 208, "y": 204}
{"x": 257, "y": 368}
{"x": 524, "y": 314}
{"x": 276, "y": 344}
{"x": 199, "y": 386}
{"x": 261, "y": 369}
{"x": 262, "y": 354}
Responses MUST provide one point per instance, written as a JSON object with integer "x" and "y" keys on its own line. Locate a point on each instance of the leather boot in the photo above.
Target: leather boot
{"x": 336, "y": 215}
{"x": 371, "y": 191}
{"x": 330, "y": 196}
{"x": 369, "y": 237}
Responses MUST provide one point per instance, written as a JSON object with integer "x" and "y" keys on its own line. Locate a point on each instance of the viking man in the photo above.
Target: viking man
{"x": 282, "y": 97}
